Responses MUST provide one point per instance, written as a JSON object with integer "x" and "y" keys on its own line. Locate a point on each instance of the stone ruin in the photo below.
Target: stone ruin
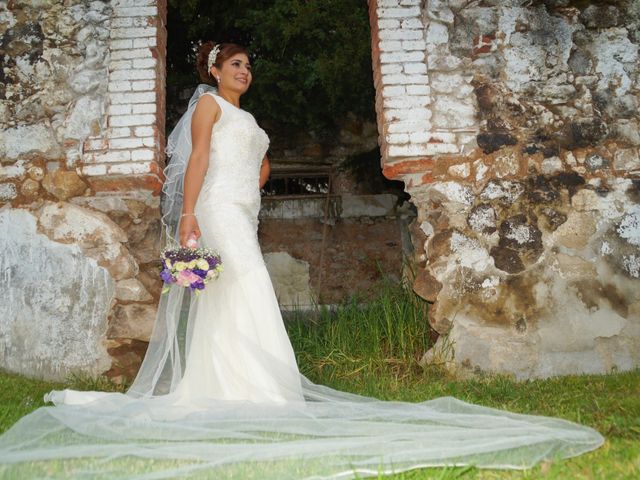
{"x": 514, "y": 127}
{"x": 81, "y": 149}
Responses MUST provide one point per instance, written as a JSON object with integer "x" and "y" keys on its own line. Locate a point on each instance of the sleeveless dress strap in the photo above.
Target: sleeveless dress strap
{"x": 220, "y": 101}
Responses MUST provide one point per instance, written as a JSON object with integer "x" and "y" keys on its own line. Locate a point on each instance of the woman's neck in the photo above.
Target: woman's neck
{"x": 232, "y": 97}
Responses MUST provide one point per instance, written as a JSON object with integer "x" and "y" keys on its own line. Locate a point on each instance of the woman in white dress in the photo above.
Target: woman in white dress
{"x": 223, "y": 396}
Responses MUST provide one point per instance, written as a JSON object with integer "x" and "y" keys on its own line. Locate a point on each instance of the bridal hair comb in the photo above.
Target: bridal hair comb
{"x": 212, "y": 56}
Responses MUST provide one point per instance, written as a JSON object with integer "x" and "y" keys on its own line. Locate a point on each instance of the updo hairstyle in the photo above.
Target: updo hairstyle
{"x": 227, "y": 50}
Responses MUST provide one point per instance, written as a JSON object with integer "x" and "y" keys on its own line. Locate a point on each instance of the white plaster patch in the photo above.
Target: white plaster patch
{"x": 503, "y": 190}
{"x": 454, "y": 192}
{"x": 12, "y": 171}
{"x": 482, "y": 218}
{"x": 7, "y": 191}
{"x": 55, "y": 303}
{"x": 629, "y": 227}
{"x": 520, "y": 234}
{"x": 24, "y": 139}
{"x": 481, "y": 170}
{"x": 490, "y": 282}
{"x": 86, "y": 111}
{"x": 469, "y": 252}
{"x": 612, "y": 50}
{"x": 631, "y": 264}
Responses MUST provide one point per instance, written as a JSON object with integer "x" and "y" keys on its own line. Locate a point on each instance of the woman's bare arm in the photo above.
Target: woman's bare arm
{"x": 265, "y": 170}
{"x": 207, "y": 112}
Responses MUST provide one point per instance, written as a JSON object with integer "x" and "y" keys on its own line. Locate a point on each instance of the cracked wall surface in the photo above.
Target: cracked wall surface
{"x": 81, "y": 135}
{"x": 515, "y": 130}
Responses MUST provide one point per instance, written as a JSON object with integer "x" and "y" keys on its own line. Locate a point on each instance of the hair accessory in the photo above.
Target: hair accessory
{"x": 212, "y": 56}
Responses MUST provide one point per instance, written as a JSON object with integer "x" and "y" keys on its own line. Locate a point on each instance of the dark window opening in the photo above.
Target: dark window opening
{"x": 299, "y": 183}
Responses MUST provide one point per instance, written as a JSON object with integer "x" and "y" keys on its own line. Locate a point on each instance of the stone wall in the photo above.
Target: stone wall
{"x": 81, "y": 137}
{"x": 315, "y": 258}
{"x": 515, "y": 129}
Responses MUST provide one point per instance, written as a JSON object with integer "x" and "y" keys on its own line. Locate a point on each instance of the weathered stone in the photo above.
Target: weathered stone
{"x": 555, "y": 118}
{"x": 551, "y": 165}
{"x": 587, "y": 133}
{"x": 133, "y": 321}
{"x": 54, "y": 311}
{"x": 502, "y": 190}
{"x": 507, "y": 259}
{"x": 594, "y": 162}
{"x": 505, "y": 165}
{"x": 84, "y": 119}
{"x": 552, "y": 219}
{"x": 27, "y": 141}
{"x": 127, "y": 356}
{"x": 492, "y": 141}
{"x": 131, "y": 290}
{"x": 452, "y": 192}
{"x": 150, "y": 279}
{"x": 8, "y": 192}
{"x": 629, "y": 226}
{"x": 626, "y": 159}
{"x": 517, "y": 233}
{"x": 30, "y": 188}
{"x": 482, "y": 218}
{"x": 628, "y": 130}
{"x": 601, "y": 16}
{"x": 290, "y": 278}
{"x": 576, "y": 232}
{"x": 98, "y": 236}
{"x": 439, "y": 245}
{"x": 426, "y": 285}
{"x": 461, "y": 170}
{"x": 35, "y": 173}
{"x": 63, "y": 184}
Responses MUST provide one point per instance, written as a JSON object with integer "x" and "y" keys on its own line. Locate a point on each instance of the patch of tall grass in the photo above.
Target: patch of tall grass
{"x": 386, "y": 335}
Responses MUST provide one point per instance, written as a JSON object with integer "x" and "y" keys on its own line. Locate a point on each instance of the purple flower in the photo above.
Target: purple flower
{"x": 166, "y": 276}
{"x": 200, "y": 273}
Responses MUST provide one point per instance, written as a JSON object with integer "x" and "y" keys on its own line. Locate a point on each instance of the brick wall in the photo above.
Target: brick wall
{"x": 129, "y": 154}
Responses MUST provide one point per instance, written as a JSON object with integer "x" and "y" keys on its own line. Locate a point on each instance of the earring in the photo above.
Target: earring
{"x": 218, "y": 79}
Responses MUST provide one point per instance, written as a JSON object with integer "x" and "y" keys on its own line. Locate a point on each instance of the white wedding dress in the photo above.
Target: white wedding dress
{"x": 224, "y": 399}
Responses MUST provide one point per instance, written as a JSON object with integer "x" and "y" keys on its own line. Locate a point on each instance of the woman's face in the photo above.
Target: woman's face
{"x": 234, "y": 74}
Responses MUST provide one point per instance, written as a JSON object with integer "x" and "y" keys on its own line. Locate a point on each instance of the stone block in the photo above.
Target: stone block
{"x": 64, "y": 184}
{"x": 291, "y": 280}
{"x": 132, "y": 321}
{"x": 8, "y": 192}
{"x": 27, "y": 141}
{"x": 626, "y": 159}
{"x": 131, "y": 290}
{"x": 426, "y": 285}
{"x": 54, "y": 311}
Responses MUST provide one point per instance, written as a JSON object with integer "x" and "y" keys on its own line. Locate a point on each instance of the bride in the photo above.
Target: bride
{"x": 219, "y": 394}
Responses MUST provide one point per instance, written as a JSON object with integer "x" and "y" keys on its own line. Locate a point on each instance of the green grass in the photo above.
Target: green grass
{"x": 374, "y": 349}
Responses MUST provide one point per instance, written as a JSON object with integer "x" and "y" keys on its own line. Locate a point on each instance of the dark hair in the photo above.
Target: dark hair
{"x": 227, "y": 50}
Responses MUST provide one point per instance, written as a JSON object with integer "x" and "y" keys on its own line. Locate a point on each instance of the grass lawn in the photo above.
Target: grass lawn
{"x": 379, "y": 358}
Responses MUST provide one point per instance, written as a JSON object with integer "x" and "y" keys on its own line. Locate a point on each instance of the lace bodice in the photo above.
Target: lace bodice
{"x": 238, "y": 146}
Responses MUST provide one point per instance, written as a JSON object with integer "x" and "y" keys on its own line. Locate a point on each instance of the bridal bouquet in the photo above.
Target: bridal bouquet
{"x": 188, "y": 267}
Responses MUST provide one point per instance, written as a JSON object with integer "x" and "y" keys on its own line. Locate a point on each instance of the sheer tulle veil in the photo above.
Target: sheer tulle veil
{"x": 152, "y": 431}
{"x": 162, "y": 367}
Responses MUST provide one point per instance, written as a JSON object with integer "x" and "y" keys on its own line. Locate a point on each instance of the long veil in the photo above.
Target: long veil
{"x": 162, "y": 367}
{"x": 151, "y": 432}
